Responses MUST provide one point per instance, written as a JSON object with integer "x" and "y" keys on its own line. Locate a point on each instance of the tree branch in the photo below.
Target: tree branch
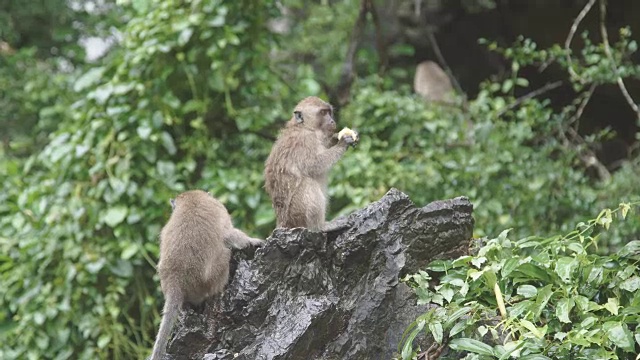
{"x": 381, "y": 46}
{"x": 574, "y": 28}
{"x": 587, "y": 155}
{"x": 607, "y": 51}
{"x": 348, "y": 74}
{"x": 441, "y": 59}
{"x": 540, "y": 91}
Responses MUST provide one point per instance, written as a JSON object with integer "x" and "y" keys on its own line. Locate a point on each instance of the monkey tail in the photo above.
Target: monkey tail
{"x": 172, "y": 305}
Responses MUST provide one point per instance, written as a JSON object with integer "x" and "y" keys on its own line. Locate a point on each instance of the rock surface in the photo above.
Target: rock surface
{"x": 309, "y": 295}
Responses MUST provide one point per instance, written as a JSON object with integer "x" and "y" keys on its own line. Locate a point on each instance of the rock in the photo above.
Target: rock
{"x": 309, "y": 295}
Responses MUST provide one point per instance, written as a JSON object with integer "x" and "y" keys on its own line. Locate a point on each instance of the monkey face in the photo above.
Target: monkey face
{"x": 325, "y": 120}
{"x": 313, "y": 113}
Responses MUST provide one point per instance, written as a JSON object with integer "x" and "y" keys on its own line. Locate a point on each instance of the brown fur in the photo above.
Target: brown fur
{"x": 194, "y": 256}
{"x": 298, "y": 166}
{"x": 432, "y": 83}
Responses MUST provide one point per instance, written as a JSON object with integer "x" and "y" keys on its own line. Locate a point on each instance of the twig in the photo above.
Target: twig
{"x": 574, "y": 28}
{"x": 607, "y": 51}
{"x": 520, "y": 100}
{"x": 587, "y": 156}
{"x": 380, "y": 43}
{"x": 347, "y": 76}
{"x": 434, "y": 351}
{"x": 576, "y": 118}
{"x": 447, "y": 69}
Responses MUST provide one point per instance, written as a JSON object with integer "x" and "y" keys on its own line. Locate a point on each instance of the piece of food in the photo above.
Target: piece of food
{"x": 348, "y": 132}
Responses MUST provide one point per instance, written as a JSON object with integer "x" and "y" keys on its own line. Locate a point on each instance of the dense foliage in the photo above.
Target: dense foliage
{"x": 192, "y": 96}
{"x": 535, "y": 298}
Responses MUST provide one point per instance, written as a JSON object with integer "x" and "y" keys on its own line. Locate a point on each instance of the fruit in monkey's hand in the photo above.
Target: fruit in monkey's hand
{"x": 350, "y": 136}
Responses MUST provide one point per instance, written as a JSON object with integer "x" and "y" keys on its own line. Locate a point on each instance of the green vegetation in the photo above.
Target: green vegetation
{"x": 536, "y": 298}
{"x": 193, "y": 95}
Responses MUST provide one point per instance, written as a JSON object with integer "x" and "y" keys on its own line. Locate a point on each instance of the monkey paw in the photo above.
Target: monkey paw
{"x": 350, "y": 137}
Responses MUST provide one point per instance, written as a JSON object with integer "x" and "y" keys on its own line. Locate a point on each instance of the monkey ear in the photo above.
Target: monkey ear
{"x": 173, "y": 203}
{"x": 298, "y": 116}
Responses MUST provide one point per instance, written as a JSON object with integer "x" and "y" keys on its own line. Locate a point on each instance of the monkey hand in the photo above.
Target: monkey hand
{"x": 350, "y": 137}
{"x": 257, "y": 242}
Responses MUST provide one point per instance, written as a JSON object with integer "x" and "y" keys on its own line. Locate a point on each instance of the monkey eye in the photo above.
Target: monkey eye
{"x": 325, "y": 112}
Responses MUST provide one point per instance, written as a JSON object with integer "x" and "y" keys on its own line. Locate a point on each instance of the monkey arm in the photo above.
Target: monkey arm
{"x": 237, "y": 239}
{"x": 325, "y": 159}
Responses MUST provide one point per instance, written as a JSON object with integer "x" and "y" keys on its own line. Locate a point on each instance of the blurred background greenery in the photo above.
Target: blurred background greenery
{"x": 109, "y": 108}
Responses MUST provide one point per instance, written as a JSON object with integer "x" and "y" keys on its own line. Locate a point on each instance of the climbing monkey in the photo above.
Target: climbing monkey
{"x": 194, "y": 256}
{"x": 298, "y": 166}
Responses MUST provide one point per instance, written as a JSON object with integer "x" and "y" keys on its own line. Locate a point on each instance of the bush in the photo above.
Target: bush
{"x": 535, "y": 298}
{"x": 80, "y": 219}
{"x": 514, "y": 172}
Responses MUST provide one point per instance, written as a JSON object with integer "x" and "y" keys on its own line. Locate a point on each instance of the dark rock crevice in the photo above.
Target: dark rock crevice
{"x": 309, "y": 295}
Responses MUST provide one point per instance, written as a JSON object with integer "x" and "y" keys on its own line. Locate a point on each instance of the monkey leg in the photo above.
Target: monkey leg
{"x": 316, "y": 206}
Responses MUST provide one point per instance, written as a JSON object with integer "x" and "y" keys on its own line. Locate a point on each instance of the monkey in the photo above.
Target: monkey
{"x": 297, "y": 168}
{"x": 194, "y": 256}
{"x": 432, "y": 83}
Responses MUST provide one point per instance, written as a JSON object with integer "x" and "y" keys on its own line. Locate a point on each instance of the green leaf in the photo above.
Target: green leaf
{"x": 144, "y": 131}
{"x": 115, "y": 215}
{"x": 627, "y": 272}
{"x": 510, "y": 265}
{"x": 534, "y": 271}
{"x": 576, "y": 248}
{"x": 631, "y": 284}
{"x": 408, "y": 341}
{"x": 542, "y": 299}
{"x": 482, "y": 330}
{"x": 439, "y": 265}
{"x": 490, "y": 278}
{"x": 447, "y": 293}
{"x": 129, "y": 251}
{"x": 310, "y": 86}
{"x": 123, "y": 269}
{"x": 7, "y": 326}
{"x": 140, "y": 6}
{"x": 167, "y": 142}
{"x": 436, "y": 331}
{"x": 471, "y": 345}
{"x": 565, "y": 267}
{"x": 458, "y": 328}
{"x": 595, "y": 276}
{"x": 534, "y": 357}
{"x": 88, "y": 79}
{"x": 563, "y": 309}
{"x": 620, "y": 335}
{"x": 612, "y": 305}
{"x": 585, "y": 305}
{"x": 184, "y": 36}
{"x": 632, "y": 248}
{"x": 475, "y": 274}
{"x": 527, "y": 291}
{"x": 478, "y": 261}
{"x": 456, "y": 315}
{"x": 103, "y": 340}
{"x": 537, "y": 332}
{"x": 461, "y": 261}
